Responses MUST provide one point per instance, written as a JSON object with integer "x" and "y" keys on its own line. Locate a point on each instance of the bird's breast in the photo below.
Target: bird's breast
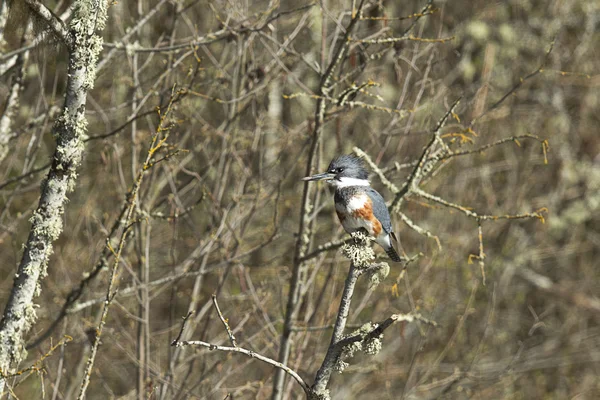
{"x": 356, "y": 212}
{"x": 353, "y": 204}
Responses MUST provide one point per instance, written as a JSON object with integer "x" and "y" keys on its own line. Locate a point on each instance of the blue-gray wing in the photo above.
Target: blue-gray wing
{"x": 380, "y": 210}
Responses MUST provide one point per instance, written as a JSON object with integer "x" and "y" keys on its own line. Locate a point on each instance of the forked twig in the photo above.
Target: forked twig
{"x": 236, "y": 349}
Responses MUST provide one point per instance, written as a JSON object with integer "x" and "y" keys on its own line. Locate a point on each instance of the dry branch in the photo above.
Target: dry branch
{"x": 181, "y": 343}
{"x": 361, "y": 256}
{"x": 158, "y": 140}
{"x": 12, "y": 104}
{"x": 303, "y": 242}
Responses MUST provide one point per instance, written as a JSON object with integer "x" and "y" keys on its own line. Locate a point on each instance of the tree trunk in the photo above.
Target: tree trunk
{"x": 70, "y": 130}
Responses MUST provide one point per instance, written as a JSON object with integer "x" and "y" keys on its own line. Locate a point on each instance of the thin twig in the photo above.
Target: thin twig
{"x": 37, "y": 365}
{"x": 334, "y": 244}
{"x": 386, "y": 182}
{"x": 402, "y": 39}
{"x": 224, "y": 321}
{"x": 483, "y": 217}
{"x": 417, "y": 171}
{"x": 518, "y": 84}
{"x": 156, "y": 143}
{"x": 420, "y": 230}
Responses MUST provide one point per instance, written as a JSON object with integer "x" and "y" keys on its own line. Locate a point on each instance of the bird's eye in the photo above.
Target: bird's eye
{"x": 340, "y": 169}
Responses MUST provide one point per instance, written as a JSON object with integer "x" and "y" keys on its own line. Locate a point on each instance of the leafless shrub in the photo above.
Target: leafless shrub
{"x": 478, "y": 122}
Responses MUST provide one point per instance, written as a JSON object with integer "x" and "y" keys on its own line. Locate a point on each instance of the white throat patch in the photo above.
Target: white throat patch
{"x": 345, "y": 182}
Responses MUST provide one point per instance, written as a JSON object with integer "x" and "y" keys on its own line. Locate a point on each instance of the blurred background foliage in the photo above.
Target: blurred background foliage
{"x": 530, "y": 332}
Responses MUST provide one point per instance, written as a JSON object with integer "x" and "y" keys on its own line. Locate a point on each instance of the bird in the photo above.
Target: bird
{"x": 357, "y": 205}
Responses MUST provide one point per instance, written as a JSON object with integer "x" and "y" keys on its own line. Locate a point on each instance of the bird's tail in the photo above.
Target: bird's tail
{"x": 393, "y": 250}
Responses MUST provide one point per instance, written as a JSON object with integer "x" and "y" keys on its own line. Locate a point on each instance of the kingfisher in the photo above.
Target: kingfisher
{"x": 357, "y": 205}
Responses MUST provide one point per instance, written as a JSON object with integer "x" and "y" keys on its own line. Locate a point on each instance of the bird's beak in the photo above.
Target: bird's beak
{"x": 320, "y": 177}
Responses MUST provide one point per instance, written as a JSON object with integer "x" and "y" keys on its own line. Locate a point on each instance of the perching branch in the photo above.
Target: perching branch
{"x": 303, "y": 241}
{"x": 361, "y": 256}
{"x": 331, "y": 358}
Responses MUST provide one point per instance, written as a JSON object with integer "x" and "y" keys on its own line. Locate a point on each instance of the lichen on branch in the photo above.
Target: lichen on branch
{"x": 359, "y": 251}
{"x": 369, "y": 344}
{"x": 69, "y": 131}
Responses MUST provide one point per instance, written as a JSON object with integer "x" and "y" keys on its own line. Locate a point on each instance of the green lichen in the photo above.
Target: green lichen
{"x": 29, "y": 317}
{"x": 347, "y": 353}
{"x": 131, "y": 48}
{"x": 47, "y": 224}
{"x": 372, "y": 346}
{"x": 321, "y": 395}
{"x": 89, "y": 16}
{"x": 367, "y": 344}
{"x": 377, "y": 275}
{"x": 364, "y": 329}
{"x": 81, "y": 125}
{"x": 340, "y": 366}
{"x": 70, "y": 132}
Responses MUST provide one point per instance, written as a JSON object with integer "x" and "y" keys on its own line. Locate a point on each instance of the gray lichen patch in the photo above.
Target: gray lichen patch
{"x": 321, "y": 395}
{"x": 89, "y": 16}
{"x": 376, "y": 275}
{"x": 372, "y": 345}
{"x": 341, "y": 365}
{"x": 359, "y": 251}
{"x": 70, "y": 130}
{"x": 368, "y": 344}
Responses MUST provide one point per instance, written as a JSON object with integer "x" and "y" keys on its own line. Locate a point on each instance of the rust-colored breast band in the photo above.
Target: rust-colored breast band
{"x": 366, "y": 213}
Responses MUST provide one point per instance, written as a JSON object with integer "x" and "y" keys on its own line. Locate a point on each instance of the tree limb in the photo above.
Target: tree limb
{"x": 69, "y": 129}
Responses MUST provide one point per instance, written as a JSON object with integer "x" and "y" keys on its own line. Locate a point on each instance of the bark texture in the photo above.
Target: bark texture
{"x": 12, "y": 105}
{"x": 46, "y": 222}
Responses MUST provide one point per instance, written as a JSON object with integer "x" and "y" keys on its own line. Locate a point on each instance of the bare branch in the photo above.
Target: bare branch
{"x": 54, "y": 23}
{"x": 304, "y": 224}
{"x": 159, "y": 139}
{"x": 517, "y": 85}
{"x": 224, "y": 321}
{"x": 402, "y": 39}
{"x": 419, "y": 169}
{"x": 181, "y": 343}
{"x": 12, "y": 104}
{"x": 482, "y": 217}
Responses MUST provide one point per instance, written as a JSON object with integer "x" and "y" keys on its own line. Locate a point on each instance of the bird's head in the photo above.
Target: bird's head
{"x": 345, "y": 170}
